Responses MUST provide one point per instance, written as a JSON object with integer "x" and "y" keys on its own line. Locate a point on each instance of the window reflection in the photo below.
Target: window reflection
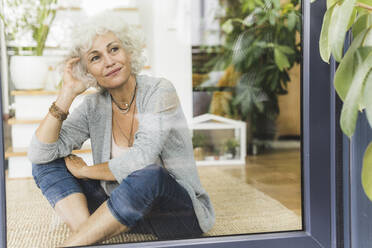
{"x": 246, "y": 57}
{"x": 237, "y": 66}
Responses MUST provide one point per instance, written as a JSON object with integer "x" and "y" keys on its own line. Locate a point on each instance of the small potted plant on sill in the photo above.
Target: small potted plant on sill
{"x": 230, "y": 146}
{"x": 216, "y": 152}
{"x": 27, "y": 25}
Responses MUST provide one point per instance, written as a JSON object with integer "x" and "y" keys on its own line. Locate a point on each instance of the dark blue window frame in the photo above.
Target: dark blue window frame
{"x": 319, "y": 159}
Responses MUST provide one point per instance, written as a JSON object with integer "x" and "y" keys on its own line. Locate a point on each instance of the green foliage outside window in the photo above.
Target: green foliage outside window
{"x": 262, "y": 43}
{"x": 353, "y": 78}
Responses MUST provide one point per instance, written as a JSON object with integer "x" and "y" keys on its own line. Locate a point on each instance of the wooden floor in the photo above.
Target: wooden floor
{"x": 277, "y": 174}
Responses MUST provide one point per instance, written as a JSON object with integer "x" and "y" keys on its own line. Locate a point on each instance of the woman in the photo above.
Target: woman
{"x": 144, "y": 172}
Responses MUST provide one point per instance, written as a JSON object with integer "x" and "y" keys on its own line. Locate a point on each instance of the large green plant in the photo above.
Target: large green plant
{"x": 260, "y": 43}
{"x": 23, "y": 16}
{"x": 353, "y": 78}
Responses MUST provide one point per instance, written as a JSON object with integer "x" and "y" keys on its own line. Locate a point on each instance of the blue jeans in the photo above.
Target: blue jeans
{"x": 147, "y": 201}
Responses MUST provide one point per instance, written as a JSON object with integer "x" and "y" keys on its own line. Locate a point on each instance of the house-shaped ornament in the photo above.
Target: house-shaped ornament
{"x": 223, "y": 139}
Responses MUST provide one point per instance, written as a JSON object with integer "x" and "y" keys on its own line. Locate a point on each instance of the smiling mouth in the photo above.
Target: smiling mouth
{"x": 113, "y": 72}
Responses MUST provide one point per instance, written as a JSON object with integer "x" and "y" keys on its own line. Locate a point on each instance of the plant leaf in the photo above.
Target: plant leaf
{"x": 367, "y": 2}
{"x": 262, "y": 20}
{"x": 367, "y": 172}
{"x": 241, "y": 47}
{"x": 291, "y": 20}
{"x": 276, "y": 3}
{"x": 330, "y": 3}
{"x": 280, "y": 59}
{"x": 349, "y": 111}
{"x": 368, "y": 39}
{"x": 324, "y": 45}
{"x": 285, "y": 49}
{"x": 251, "y": 5}
{"x": 259, "y": 3}
{"x": 361, "y": 55}
{"x": 227, "y": 27}
{"x": 339, "y": 21}
{"x": 352, "y": 18}
{"x": 362, "y": 23}
{"x": 367, "y": 99}
{"x": 271, "y": 19}
{"x": 345, "y": 71}
{"x": 245, "y": 6}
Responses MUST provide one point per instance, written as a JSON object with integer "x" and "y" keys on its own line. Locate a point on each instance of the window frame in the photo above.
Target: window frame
{"x": 318, "y": 177}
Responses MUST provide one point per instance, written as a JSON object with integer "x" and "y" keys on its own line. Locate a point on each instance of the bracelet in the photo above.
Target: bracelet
{"x": 58, "y": 113}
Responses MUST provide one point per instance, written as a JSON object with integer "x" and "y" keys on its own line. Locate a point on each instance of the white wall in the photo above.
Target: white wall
{"x": 205, "y": 29}
{"x": 196, "y": 23}
{"x": 167, "y": 27}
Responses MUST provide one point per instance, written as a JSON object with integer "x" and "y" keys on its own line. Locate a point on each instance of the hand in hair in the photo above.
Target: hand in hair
{"x": 71, "y": 84}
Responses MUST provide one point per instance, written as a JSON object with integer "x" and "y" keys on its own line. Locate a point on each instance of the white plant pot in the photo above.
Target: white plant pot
{"x": 28, "y": 72}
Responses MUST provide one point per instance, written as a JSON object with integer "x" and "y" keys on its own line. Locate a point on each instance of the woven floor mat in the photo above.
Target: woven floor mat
{"x": 239, "y": 207}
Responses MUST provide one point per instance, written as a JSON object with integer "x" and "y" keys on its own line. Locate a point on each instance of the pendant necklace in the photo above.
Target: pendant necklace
{"x": 129, "y": 139}
{"x": 127, "y": 106}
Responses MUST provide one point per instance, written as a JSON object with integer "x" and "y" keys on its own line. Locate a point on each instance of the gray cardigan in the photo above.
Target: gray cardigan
{"x": 162, "y": 137}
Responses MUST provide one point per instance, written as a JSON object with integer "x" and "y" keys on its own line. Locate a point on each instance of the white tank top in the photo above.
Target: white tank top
{"x": 116, "y": 150}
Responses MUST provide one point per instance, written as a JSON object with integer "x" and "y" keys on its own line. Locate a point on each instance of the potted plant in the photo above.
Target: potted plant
{"x": 216, "y": 152}
{"x": 261, "y": 46}
{"x": 230, "y": 147}
{"x": 27, "y": 25}
{"x": 353, "y": 78}
{"x": 198, "y": 142}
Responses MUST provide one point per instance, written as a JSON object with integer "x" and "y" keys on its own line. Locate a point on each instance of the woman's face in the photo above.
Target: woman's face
{"x": 108, "y": 62}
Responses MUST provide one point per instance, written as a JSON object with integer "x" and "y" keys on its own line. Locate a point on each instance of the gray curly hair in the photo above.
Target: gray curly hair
{"x": 83, "y": 35}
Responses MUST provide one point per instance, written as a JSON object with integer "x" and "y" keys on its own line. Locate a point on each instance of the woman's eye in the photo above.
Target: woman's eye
{"x": 114, "y": 49}
{"x": 94, "y": 58}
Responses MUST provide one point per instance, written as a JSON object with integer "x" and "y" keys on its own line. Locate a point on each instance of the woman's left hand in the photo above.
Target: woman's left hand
{"x": 75, "y": 165}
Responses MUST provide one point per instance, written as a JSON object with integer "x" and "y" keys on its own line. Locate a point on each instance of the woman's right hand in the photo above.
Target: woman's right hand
{"x": 71, "y": 84}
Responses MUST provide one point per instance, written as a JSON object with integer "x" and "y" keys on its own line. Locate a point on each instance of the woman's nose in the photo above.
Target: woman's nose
{"x": 108, "y": 60}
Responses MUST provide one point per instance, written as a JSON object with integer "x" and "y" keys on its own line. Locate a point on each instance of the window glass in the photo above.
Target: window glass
{"x": 246, "y": 72}
{"x": 216, "y": 103}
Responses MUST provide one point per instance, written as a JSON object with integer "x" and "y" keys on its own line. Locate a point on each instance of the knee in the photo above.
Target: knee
{"x": 146, "y": 182}
{"x": 137, "y": 193}
{"x": 40, "y": 170}
{"x": 150, "y": 175}
{"x": 149, "y": 181}
{"x": 153, "y": 171}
